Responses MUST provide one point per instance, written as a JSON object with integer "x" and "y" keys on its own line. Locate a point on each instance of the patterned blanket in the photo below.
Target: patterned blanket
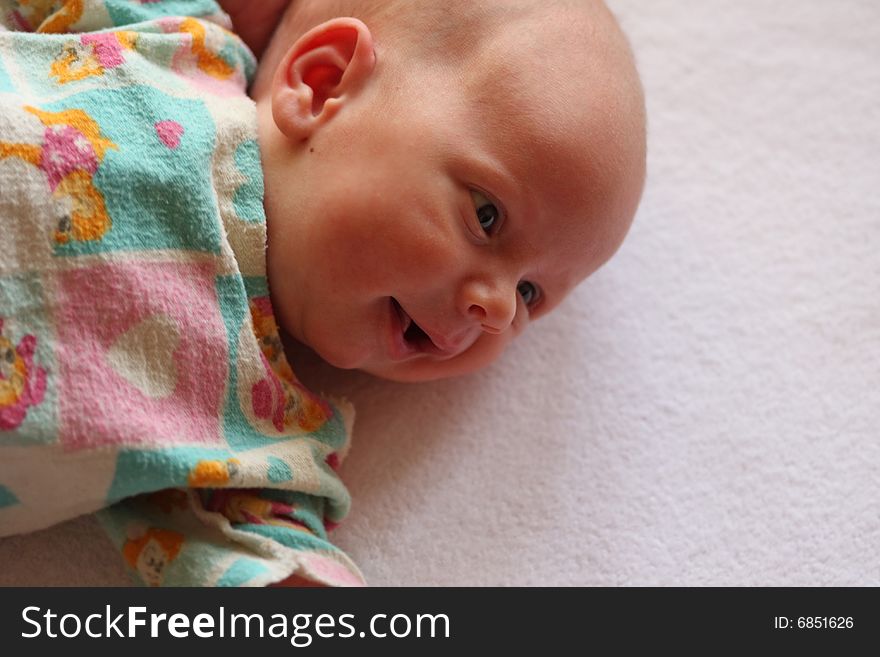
{"x": 141, "y": 369}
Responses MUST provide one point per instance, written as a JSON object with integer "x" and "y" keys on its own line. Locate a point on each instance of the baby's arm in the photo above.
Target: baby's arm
{"x": 255, "y": 22}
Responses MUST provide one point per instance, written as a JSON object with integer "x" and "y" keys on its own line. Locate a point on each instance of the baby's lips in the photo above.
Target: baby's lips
{"x": 441, "y": 343}
{"x": 450, "y": 344}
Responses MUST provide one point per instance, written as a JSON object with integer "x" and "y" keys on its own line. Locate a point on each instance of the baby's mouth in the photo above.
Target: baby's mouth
{"x": 412, "y": 332}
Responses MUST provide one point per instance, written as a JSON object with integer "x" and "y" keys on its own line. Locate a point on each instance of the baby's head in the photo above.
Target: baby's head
{"x": 439, "y": 174}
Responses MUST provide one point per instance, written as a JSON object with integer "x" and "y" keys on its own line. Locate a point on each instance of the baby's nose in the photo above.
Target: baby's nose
{"x": 492, "y": 305}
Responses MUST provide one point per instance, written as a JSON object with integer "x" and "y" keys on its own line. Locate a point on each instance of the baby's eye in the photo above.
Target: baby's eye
{"x": 488, "y": 213}
{"x": 528, "y": 292}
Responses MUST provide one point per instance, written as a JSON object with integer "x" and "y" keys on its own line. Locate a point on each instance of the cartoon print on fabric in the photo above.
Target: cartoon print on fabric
{"x": 208, "y": 62}
{"x": 47, "y": 16}
{"x": 150, "y": 550}
{"x": 21, "y": 383}
{"x": 91, "y": 55}
{"x": 72, "y": 149}
{"x": 207, "y": 474}
{"x": 242, "y": 506}
{"x": 279, "y": 395}
{"x": 208, "y": 56}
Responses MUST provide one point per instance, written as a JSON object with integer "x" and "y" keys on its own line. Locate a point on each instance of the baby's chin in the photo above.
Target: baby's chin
{"x": 405, "y": 373}
{"x": 424, "y": 369}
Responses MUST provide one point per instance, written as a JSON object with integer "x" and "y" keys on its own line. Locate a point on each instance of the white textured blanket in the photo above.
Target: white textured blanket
{"x": 706, "y": 409}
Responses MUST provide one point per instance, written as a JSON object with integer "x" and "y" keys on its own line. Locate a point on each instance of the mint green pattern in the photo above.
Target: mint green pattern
{"x": 7, "y": 498}
{"x": 279, "y": 471}
{"x": 139, "y": 126}
{"x": 247, "y": 198}
{"x": 241, "y": 572}
{"x": 23, "y": 312}
{"x": 126, "y": 12}
{"x": 5, "y": 82}
{"x": 169, "y": 202}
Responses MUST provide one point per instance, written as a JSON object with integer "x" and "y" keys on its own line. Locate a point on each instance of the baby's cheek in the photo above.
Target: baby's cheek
{"x": 520, "y": 319}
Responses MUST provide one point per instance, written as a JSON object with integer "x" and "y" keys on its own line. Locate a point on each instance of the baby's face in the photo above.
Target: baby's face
{"x": 416, "y": 236}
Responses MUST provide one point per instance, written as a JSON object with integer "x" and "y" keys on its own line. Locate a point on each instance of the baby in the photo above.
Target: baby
{"x": 411, "y": 184}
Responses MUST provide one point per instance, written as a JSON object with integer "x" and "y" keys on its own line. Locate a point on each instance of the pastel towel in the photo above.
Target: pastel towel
{"x": 140, "y": 363}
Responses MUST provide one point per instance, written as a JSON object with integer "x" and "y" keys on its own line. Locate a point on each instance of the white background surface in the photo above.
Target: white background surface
{"x": 704, "y": 410}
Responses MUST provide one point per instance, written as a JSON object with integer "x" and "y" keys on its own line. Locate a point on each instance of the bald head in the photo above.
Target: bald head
{"x": 454, "y": 33}
{"x": 587, "y": 119}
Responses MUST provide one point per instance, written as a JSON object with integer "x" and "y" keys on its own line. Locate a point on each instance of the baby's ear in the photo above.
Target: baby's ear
{"x": 326, "y": 66}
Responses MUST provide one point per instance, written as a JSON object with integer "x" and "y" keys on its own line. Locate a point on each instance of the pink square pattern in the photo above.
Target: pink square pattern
{"x": 96, "y": 308}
